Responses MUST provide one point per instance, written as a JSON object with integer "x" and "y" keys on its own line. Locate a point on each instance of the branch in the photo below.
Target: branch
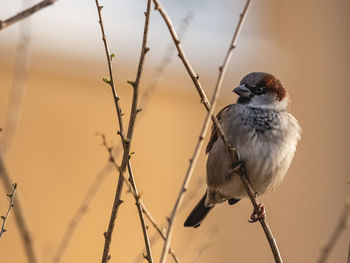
{"x": 231, "y": 150}
{"x": 193, "y": 160}
{"x": 126, "y": 142}
{"x": 25, "y": 13}
{"x": 21, "y": 221}
{"x": 340, "y": 227}
{"x": 133, "y": 190}
{"x": 160, "y": 232}
{"x": 5, "y": 217}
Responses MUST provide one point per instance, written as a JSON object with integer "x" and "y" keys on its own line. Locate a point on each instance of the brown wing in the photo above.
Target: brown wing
{"x": 214, "y": 134}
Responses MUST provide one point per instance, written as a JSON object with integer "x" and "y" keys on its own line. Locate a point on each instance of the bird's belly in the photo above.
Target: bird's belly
{"x": 266, "y": 164}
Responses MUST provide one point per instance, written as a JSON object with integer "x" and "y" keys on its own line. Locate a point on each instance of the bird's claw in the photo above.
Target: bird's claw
{"x": 257, "y": 215}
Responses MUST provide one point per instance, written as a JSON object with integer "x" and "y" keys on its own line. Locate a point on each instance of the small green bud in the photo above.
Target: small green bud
{"x": 107, "y": 80}
{"x": 132, "y": 83}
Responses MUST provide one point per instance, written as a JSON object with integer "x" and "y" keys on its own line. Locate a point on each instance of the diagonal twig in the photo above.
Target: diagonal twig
{"x": 5, "y": 217}
{"x": 205, "y": 127}
{"x": 160, "y": 232}
{"x": 231, "y": 150}
{"x": 125, "y": 141}
{"x": 132, "y": 189}
{"x": 25, "y": 13}
{"x": 21, "y": 221}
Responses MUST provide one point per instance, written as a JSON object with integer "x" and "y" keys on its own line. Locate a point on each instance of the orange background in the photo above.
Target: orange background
{"x": 55, "y": 154}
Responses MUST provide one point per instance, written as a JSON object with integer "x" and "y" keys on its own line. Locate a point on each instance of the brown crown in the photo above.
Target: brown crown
{"x": 273, "y": 85}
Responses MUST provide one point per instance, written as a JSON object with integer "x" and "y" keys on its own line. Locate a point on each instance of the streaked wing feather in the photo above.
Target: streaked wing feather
{"x": 214, "y": 133}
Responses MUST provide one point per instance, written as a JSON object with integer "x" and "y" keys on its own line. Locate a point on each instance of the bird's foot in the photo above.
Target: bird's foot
{"x": 257, "y": 215}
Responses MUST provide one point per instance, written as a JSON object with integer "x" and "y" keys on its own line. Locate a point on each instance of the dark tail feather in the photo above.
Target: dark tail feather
{"x": 198, "y": 213}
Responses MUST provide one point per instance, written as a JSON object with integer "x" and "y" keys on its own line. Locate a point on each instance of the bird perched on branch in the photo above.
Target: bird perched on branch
{"x": 265, "y": 136}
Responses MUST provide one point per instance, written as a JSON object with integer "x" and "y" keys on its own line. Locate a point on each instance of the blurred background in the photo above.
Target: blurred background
{"x": 55, "y": 154}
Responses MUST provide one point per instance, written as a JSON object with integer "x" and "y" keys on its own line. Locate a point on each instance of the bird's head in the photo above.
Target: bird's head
{"x": 259, "y": 89}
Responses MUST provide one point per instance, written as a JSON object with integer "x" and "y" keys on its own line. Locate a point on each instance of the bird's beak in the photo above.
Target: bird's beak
{"x": 242, "y": 91}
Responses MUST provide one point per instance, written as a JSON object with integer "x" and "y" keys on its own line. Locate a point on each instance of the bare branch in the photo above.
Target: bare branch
{"x": 209, "y": 116}
{"x": 133, "y": 190}
{"x": 25, "y": 13}
{"x": 110, "y": 80}
{"x": 117, "y": 202}
{"x": 340, "y": 227}
{"x": 5, "y": 217}
{"x": 159, "y": 230}
{"x": 21, "y": 221}
{"x": 126, "y": 141}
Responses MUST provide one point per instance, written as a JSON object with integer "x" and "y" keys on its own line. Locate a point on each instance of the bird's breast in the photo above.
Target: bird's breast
{"x": 266, "y": 143}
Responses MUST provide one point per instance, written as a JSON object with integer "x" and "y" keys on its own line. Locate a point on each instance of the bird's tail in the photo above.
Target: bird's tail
{"x": 198, "y": 213}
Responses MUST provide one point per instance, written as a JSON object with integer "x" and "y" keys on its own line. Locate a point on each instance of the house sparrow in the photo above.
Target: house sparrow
{"x": 265, "y": 136}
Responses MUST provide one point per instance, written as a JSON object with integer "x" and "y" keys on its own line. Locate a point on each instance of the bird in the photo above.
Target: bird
{"x": 265, "y": 135}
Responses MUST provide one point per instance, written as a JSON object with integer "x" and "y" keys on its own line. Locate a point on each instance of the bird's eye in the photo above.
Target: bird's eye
{"x": 258, "y": 90}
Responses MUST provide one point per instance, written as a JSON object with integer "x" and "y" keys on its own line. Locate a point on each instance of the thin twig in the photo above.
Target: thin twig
{"x": 133, "y": 190}
{"x": 193, "y": 75}
{"x": 340, "y": 227}
{"x": 209, "y": 116}
{"x": 159, "y": 230}
{"x": 126, "y": 142}
{"x": 25, "y": 13}
{"x": 162, "y": 229}
{"x": 117, "y": 201}
{"x": 5, "y": 217}
{"x": 21, "y": 220}
{"x": 148, "y": 257}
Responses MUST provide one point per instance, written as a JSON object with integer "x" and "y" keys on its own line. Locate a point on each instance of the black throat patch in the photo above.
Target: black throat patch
{"x": 261, "y": 120}
{"x": 243, "y": 100}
